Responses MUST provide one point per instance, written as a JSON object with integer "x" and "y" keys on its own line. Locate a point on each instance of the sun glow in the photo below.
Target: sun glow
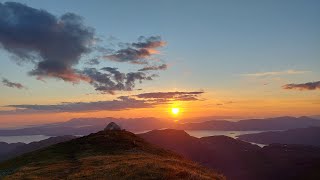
{"x": 175, "y": 111}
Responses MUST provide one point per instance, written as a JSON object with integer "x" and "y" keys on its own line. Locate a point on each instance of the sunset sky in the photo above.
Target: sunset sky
{"x": 65, "y": 59}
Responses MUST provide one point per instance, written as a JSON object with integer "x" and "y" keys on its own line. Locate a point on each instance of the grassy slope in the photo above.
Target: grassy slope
{"x": 108, "y": 155}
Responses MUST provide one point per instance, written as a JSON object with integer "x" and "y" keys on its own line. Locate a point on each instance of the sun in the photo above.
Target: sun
{"x": 175, "y": 111}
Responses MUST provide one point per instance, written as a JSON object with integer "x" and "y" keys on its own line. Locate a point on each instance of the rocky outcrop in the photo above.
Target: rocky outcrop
{"x": 112, "y": 127}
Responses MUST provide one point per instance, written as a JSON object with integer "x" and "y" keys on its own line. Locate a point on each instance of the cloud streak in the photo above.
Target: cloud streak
{"x": 144, "y": 100}
{"x": 172, "y": 96}
{"x": 303, "y": 86}
{"x": 275, "y": 73}
{"x": 154, "y": 68}
{"x": 122, "y": 103}
{"x": 10, "y": 84}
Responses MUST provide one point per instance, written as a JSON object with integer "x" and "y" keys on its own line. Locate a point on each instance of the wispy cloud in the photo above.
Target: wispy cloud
{"x": 10, "y": 84}
{"x": 154, "y": 68}
{"x": 225, "y": 103}
{"x": 304, "y": 86}
{"x": 173, "y": 96}
{"x": 275, "y": 73}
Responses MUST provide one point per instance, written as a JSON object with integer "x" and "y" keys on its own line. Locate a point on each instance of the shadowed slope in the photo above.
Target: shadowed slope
{"x": 106, "y": 154}
{"x": 23, "y": 148}
{"x": 305, "y": 136}
{"x": 239, "y": 160}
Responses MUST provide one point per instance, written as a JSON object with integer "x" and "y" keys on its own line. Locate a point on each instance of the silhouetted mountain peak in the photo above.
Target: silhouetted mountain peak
{"x": 112, "y": 127}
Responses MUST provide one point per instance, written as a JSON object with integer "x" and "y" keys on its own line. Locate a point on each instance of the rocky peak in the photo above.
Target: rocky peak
{"x": 112, "y": 127}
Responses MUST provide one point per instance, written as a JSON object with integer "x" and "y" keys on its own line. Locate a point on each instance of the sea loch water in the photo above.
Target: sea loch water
{"x": 205, "y": 133}
{"x": 232, "y": 134}
{"x": 23, "y": 139}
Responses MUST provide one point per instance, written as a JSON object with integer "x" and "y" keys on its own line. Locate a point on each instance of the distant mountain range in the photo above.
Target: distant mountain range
{"x": 85, "y": 126}
{"x": 305, "y": 136}
{"x": 239, "y": 160}
{"x": 278, "y": 123}
{"x": 107, "y": 154}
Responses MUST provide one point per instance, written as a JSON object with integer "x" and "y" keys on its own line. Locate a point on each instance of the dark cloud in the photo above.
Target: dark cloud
{"x": 139, "y": 52}
{"x": 154, "y": 68}
{"x": 55, "y": 44}
{"x": 134, "y": 56}
{"x": 132, "y": 77}
{"x": 303, "y": 86}
{"x": 103, "y": 81}
{"x": 149, "y": 43}
{"x": 177, "y": 95}
{"x": 93, "y": 61}
{"x": 117, "y": 75}
{"x": 112, "y": 80}
{"x": 8, "y": 83}
{"x": 121, "y": 103}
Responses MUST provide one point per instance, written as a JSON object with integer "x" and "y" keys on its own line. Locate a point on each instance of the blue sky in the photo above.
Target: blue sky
{"x": 211, "y": 46}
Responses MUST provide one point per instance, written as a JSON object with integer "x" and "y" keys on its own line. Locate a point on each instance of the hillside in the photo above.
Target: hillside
{"x": 239, "y": 160}
{"x": 305, "y": 136}
{"x": 8, "y": 147}
{"x": 107, "y": 155}
{"x": 15, "y": 149}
